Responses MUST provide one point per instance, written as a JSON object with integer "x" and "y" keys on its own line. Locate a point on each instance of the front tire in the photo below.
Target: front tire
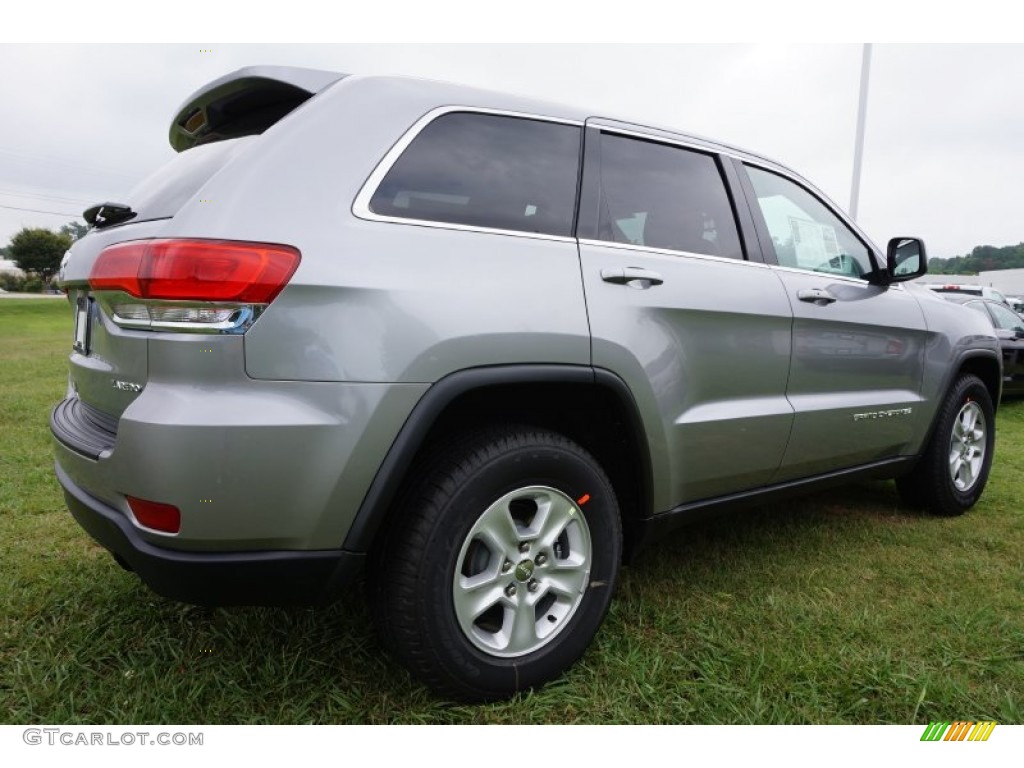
{"x": 952, "y": 473}
{"x": 499, "y": 566}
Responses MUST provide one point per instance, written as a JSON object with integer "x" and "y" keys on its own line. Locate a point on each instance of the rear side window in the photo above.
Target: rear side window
{"x": 663, "y": 196}
{"x": 488, "y": 171}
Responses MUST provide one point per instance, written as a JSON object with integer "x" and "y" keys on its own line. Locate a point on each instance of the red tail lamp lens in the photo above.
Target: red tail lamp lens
{"x": 196, "y": 270}
{"x": 153, "y": 514}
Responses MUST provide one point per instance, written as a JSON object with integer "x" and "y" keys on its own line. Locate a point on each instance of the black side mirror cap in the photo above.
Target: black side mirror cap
{"x": 905, "y": 259}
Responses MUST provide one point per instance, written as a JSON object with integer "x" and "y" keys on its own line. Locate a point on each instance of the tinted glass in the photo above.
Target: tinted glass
{"x": 486, "y": 171}
{"x": 663, "y": 196}
{"x": 805, "y": 233}
{"x": 978, "y": 306}
{"x": 1005, "y": 318}
{"x": 958, "y": 289}
{"x": 998, "y": 296}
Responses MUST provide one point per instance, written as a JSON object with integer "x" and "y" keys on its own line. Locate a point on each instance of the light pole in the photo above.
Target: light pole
{"x": 858, "y": 147}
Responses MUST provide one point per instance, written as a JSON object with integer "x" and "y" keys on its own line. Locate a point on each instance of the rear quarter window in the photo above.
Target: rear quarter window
{"x": 490, "y": 171}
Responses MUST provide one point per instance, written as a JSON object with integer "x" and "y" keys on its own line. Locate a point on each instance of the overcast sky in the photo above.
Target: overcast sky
{"x": 943, "y": 155}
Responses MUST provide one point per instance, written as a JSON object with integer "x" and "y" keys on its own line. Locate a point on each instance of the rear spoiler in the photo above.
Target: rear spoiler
{"x": 245, "y": 102}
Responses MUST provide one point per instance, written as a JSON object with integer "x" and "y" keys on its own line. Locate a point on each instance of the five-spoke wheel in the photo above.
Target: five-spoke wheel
{"x": 952, "y": 472}
{"x": 499, "y": 565}
{"x": 522, "y": 571}
{"x": 967, "y": 446}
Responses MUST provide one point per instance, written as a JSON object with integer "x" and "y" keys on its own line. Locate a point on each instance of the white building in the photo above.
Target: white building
{"x": 9, "y": 267}
{"x": 1009, "y": 281}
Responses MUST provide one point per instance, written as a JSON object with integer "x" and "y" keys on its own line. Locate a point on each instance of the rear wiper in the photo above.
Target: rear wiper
{"x": 107, "y": 214}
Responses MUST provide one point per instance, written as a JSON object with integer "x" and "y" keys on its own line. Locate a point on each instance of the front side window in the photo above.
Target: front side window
{"x": 663, "y": 196}
{"x": 804, "y": 232}
{"x": 488, "y": 171}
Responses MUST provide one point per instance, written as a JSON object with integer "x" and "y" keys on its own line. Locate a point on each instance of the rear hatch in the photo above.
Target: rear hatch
{"x": 116, "y": 319}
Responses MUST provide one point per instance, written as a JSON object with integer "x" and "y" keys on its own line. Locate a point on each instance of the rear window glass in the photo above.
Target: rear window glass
{"x": 488, "y": 171}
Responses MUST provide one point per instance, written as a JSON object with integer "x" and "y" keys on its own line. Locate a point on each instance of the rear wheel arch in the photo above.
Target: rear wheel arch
{"x": 501, "y": 568}
{"x": 592, "y": 407}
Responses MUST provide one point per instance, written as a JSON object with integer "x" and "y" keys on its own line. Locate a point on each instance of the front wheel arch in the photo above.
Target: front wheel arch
{"x": 953, "y": 470}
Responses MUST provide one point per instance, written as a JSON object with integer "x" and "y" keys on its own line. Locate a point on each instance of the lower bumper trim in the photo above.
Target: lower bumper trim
{"x": 280, "y": 577}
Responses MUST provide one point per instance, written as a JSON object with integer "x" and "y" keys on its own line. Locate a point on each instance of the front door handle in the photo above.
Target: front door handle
{"x": 635, "y": 277}
{"x": 818, "y": 296}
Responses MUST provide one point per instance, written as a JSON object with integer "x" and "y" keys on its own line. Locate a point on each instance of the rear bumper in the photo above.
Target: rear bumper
{"x": 281, "y": 577}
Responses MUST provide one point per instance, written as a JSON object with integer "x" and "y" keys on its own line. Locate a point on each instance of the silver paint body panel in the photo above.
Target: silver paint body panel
{"x": 284, "y": 428}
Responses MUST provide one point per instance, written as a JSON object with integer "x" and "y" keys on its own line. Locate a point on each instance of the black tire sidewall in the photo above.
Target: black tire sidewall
{"x": 950, "y": 500}
{"x": 569, "y": 471}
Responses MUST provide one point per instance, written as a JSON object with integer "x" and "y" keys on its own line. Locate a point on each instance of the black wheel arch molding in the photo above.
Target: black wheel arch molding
{"x": 418, "y": 427}
{"x": 972, "y": 360}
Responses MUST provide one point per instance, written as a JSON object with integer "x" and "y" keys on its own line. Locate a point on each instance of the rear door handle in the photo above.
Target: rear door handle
{"x": 818, "y": 296}
{"x": 635, "y": 277}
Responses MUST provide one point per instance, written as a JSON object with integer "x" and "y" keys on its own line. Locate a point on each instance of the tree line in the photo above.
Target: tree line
{"x": 983, "y": 258}
{"x": 38, "y": 252}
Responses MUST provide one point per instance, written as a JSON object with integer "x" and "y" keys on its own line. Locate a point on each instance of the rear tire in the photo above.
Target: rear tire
{"x": 951, "y": 474}
{"x": 499, "y": 566}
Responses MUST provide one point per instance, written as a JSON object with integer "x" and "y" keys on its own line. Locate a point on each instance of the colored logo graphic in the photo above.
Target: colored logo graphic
{"x": 959, "y": 731}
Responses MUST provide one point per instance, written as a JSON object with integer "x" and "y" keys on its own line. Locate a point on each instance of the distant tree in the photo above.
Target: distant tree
{"x": 75, "y": 230}
{"x": 982, "y": 258}
{"x": 39, "y": 250}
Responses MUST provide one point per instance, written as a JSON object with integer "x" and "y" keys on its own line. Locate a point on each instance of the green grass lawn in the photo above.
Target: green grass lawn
{"x": 840, "y": 608}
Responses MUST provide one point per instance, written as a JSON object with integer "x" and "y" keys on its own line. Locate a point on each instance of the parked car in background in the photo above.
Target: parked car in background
{"x": 973, "y": 290}
{"x": 479, "y": 348}
{"x": 1009, "y": 328}
{"x": 1016, "y": 303}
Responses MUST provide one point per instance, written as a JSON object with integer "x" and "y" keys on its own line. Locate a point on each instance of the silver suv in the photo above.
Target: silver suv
{"x": 480, "y": 349}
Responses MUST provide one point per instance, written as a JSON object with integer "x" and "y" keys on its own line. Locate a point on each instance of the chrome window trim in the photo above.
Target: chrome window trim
{"x": 688, "y": 144}
{"x": 670, "y": 252}
{"x": 728, "y": 260}
{"x": 833, "y": 276}
{"x": 361, "y": 204}
{"x": 371, "y": 216}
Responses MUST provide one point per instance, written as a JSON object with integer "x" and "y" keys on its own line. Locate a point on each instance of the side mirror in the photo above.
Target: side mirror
{"x": 905, "y": 259}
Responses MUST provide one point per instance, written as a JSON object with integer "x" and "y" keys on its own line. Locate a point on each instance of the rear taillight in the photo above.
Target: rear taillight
{"x": 165, "y": 518}
{"x": 191, "y": 285}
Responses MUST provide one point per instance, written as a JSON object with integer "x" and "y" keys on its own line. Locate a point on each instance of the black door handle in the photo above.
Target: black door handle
{"x": 818, "y": 296}
{"x": 635, "y": 277}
